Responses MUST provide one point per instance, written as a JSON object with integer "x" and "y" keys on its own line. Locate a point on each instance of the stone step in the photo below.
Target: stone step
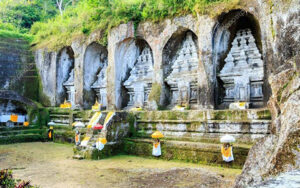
{"x": 204, "y": 115}
{"x": 61, "y": 121}
{"x": 59, "y": 115}
{"x": 202, "y": 121}
{"x": 16, "y": 132}
{"x": 196, "y": 152}
{"x": 210, "y": 130}
{"x": 22, "y": 138}
{"x": 62, "y": 124}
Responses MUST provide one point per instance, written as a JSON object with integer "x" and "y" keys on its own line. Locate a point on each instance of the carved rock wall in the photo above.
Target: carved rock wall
{"x": 213, "y": 43}
{"x": 279, "y": 152}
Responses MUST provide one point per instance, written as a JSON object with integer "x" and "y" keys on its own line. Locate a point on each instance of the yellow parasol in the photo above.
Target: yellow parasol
{"x": 157, "y": 134}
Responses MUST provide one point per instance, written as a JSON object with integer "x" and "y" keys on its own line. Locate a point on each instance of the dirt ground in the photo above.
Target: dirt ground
{"x": 51, "y": 165}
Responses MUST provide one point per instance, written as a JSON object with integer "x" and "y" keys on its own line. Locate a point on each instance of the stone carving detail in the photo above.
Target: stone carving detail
{"x": 69, "y": 85}
{"x": 243, "y": 71}
{"x": 139, "y": 82}
{"x": 183, "y": 77}
{"x": 100, "y": 86}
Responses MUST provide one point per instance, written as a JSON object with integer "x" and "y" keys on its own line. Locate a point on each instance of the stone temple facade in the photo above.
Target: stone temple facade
{"x": 100, "y": 86}
{"x": 243, "y": 72}
{"x": 139, "y": 82}
{"x": 69, "y": 85}
{"x": 183, "y": 77}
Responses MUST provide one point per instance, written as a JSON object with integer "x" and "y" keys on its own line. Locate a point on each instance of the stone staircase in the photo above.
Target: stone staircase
{"x": 194, "y": 135}
{"x": 114, "y": 131}
{"x": 61, "y": 117}
{"x": 22, "y": 134}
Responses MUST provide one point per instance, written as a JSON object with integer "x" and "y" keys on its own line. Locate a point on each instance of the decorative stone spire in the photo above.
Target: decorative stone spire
{"x": 69, "y": 85}
{"x": 183, "y": 77}
{"x": 243, "y": 71}
{"x": 140, "y": 80}
{"x": 70, "y": 81}
{"x": 99, "y": 86}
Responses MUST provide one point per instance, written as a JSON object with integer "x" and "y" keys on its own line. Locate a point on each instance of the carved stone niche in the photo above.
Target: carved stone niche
{"x": 139, "y": 82}
{"x": 69, "y": 85}
{"x": 100, "y": 86}
{"x": 243, "y": 72}
{"x": 183, "y": 77}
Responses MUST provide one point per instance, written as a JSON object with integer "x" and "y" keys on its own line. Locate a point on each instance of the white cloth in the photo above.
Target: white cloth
{"x": 99, "y": 146}
{"x": 156, "y": 151}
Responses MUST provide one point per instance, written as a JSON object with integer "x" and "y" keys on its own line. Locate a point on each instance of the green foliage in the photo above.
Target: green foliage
{"x": 6, "y": 178}
{"x": 91, "y": 15}
{"x": 14, "y": 34}
{"x": 22, "y": 13}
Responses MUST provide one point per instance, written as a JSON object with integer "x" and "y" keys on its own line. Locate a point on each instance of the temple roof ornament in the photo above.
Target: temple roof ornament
{"x": 101, "y": 81}
{"x": 70, "y": 81}
{"x": 142, "y": 70}
{"x": 244, "y": 57}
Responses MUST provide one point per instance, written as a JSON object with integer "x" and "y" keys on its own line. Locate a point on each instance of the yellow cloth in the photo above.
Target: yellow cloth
{"x": 94, "y": 119}
{"x": 156, "y": 144}
{"x": 102, "y": 140}
{"x": 226, "y": 152}
{"x": 109, "y": 115}
{"x": 14, "y": 118}
{"x": 66, "y": 105}
{"x": 96, "y": 106}
{"x": 50, "y": 135}
{"x": 86, "y": 138}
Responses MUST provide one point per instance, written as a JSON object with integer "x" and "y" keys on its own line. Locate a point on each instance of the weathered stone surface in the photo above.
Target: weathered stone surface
{"x": 95, "y": 59}
{"x": 278, "y": 152}
{"x": 65, "y": 65}
{"x": 243, "y": 72}
{"x": 139, "y": 82}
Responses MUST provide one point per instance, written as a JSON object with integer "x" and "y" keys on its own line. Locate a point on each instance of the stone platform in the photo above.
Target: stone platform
{"x": 191, "y": 135}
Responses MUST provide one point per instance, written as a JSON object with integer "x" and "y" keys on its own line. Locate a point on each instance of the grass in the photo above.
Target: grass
{"x": 52, "y": 164}
{"x": 102, "y": 15}
{"x": 16, "y": 35}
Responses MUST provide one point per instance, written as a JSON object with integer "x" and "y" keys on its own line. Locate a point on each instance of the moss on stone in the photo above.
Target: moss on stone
{"x": 209, "y": 157}
{"x": 132, "y": 128}
{"x": 155, "y": 93}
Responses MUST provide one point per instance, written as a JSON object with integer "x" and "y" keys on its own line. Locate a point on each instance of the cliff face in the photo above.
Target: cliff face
{"x": 280, "y": 152}
{"x": 275, "y": 26}
{"x": 18, "y": 70}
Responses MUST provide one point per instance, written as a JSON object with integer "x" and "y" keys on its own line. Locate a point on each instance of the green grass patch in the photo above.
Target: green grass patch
{"x": 16, "y": 35}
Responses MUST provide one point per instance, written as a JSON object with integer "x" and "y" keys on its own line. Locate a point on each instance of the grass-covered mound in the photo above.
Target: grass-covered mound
{"x": 90, "y": 15}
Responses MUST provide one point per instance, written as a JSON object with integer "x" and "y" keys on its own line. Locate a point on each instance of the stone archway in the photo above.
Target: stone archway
{"x": 94, "y": 75}
{"x": 180, "y": 70}
{"x": 65, "y": 76}
{"x": 233, "y": 29}
{"x": 132, "y": 85}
